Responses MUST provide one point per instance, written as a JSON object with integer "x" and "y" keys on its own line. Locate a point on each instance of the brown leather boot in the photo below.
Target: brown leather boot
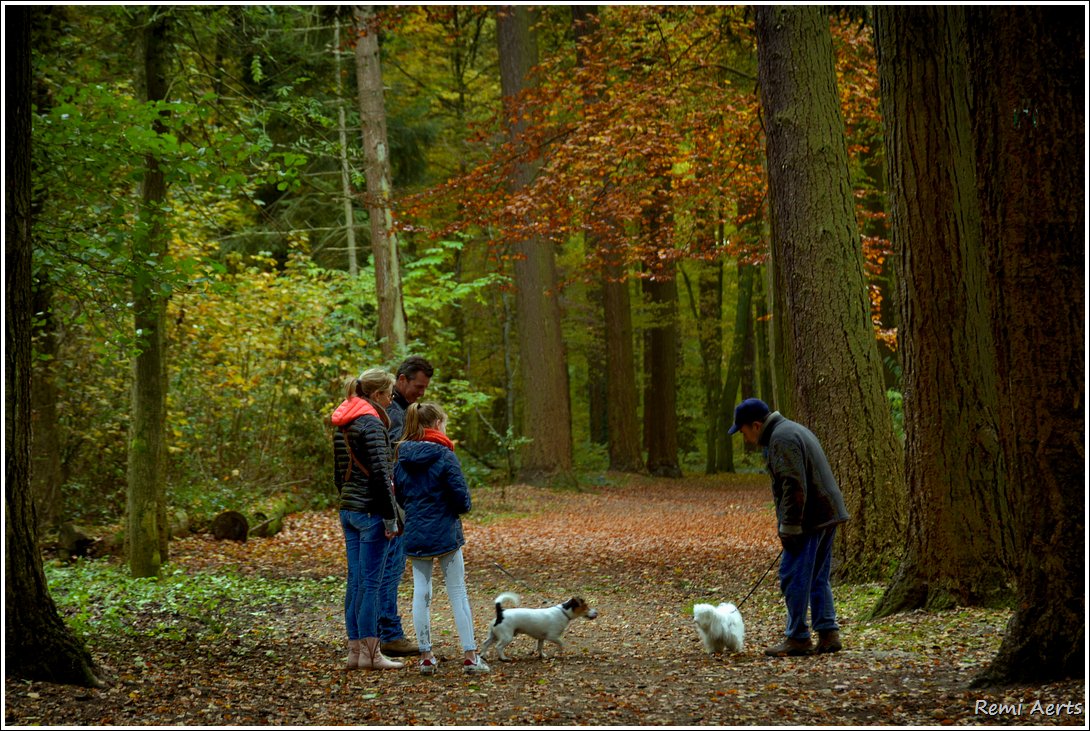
{"x": 829, "y": 641}
{"x": 371, "y": 657}
{"x": 791, "y": 647}
{"x": 399, "y": 648}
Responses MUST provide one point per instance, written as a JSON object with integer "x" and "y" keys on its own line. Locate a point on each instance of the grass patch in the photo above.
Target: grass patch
{"x": 99, "y": 598}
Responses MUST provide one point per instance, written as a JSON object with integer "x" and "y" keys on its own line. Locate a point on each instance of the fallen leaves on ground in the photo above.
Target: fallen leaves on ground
{"x": 641, "y": 553}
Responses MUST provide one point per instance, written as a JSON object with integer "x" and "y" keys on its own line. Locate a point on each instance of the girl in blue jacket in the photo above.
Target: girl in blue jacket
{"x": 433, "y": 491}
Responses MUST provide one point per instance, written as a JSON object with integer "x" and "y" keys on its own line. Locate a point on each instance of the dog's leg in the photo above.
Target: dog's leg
{"x": 501, "y": 646}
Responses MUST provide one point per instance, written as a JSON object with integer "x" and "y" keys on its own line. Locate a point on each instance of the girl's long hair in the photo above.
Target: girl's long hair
{"x": 418, "y": 417}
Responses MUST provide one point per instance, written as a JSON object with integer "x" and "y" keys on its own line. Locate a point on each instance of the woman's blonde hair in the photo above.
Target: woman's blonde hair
{"x": 370, "y": 381}
{"x": 420, "y": 416}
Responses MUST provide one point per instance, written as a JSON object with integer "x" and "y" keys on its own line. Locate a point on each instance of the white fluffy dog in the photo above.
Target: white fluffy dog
{"x": 720, "y": 628}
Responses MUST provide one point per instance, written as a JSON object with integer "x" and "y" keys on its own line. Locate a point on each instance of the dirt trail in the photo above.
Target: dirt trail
{"x": 642, "y": 554}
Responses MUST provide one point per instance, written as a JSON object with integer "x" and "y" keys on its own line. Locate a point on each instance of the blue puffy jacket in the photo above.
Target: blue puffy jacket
{"x": 433, "y": 491}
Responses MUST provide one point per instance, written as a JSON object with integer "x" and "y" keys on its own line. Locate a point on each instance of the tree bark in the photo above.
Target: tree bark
{"x": 376, "y": 150}
{"x": 959, "y": 549}
{"x": 1028, "y": 76}
{"x": 622, "y": 396}
{"x": 838, "y": 388}
{"x": 660, "y": 364}
{"x": 148, "y": 527}
{"x": 546, "y": 412}
{"x": 37, "y": 643}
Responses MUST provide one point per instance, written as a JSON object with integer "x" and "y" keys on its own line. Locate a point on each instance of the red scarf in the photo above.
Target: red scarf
{"x": 434, "y": 435}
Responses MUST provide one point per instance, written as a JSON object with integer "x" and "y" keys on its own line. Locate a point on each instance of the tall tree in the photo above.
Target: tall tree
{"x": 546, "y": 416}
{"x": 147, "y": 534}
{"x": 376, "y": 150}
{"x": 959, "y": 549}
{"x": 621, "y": 401}
{"x": 1028, "y": 80}
{"x": 728, "y": 397}
{"x": 37, "y": 643}
{"x": 825, "y": 318}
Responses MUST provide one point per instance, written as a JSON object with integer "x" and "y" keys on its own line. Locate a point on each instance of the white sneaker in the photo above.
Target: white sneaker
{"x": 476, "y": 666}
{"x": 429, "y": 665}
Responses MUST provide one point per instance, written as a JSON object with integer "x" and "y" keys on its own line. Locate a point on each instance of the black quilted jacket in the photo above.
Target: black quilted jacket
{"x": 362, "y": 493}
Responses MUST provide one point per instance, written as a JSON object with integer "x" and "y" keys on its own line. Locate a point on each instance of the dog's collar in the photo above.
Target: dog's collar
{"x": 566, "y": 612}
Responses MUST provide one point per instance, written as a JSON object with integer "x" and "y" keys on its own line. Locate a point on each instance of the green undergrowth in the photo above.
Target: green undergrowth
{"x": 98, "y": 598}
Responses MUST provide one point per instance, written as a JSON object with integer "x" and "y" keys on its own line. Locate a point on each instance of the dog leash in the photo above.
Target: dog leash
{"x": 761, "y": 579}
{"x": 515, "y": 578}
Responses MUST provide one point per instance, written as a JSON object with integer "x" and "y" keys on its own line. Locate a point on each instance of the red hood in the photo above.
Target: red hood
{"x": 352, "y": 409}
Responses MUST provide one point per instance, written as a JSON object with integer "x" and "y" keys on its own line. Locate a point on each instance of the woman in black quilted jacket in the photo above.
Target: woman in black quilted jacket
{"x": 361, "y": 455}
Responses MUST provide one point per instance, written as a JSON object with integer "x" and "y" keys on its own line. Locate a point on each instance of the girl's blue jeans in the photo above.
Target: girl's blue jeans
{"x": 366, "y": 547}
{"x": 804, "y": 581}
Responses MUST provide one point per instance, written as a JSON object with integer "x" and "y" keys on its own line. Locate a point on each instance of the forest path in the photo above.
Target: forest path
{"x": 641, "y": 553}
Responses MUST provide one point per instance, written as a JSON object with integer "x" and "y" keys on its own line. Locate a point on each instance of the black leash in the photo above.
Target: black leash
{"x": 739, "y": 604}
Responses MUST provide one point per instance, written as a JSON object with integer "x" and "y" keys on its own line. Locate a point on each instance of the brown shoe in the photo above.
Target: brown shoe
{"x": 791, "y": 647}
{"x": 399, "y": 648}
{"x": 829, "y": 641}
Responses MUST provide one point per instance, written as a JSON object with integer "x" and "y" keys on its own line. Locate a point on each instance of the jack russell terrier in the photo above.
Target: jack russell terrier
{"x": 546, "y": 624}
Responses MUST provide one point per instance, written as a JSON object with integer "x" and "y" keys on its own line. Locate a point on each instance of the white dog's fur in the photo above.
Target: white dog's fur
{"x": 544, "y": 625}
{"x": 720, "y": 628}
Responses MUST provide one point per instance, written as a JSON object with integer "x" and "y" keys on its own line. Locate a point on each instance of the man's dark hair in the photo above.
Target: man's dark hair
{"x": 412, "y": 365}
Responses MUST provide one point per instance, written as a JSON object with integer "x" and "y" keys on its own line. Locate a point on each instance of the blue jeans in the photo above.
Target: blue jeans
{"x": 389, "y": 621}
{"x": 804, "y": 581}
{"x": 366, "y": 547}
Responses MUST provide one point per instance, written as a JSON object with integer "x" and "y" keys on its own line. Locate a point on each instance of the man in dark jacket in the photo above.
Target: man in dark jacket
{"x": 413, "y": 376}
{"x": 809, "y": 506}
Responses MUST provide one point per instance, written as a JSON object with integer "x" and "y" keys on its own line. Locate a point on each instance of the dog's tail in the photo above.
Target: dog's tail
{"x": 507, "y": 596}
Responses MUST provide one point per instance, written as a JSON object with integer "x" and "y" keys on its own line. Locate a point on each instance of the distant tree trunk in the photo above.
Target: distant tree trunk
{"x": 148, "y": 528}
{"x": 707, "y": 308}
{"x": 546, "y": 413}
{"x": 728, "y": 399}
{"x": 597, "y": 368}
{"x": 622, "y": 396}
{"x": 959, "y": 521}
{"x": 1028, "y": 77}
{"x": 762, "y": 318}
{"x": 37, "y": 643}
{"x": 342, "y": 154}
{"x": 376, "y": 152}
{"x": 818, "y": 256}
{"x": 660, "y": 389}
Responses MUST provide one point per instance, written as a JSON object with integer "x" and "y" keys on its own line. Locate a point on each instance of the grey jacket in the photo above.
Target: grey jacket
{"x": 807, "y": 496}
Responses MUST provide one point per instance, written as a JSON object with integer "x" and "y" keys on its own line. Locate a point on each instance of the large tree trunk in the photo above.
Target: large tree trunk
{"x": 959, "y": 521}
{"x": 546, "y": 408}
{"x": 837, "y": 374}
{"x": 148, "y": 528}
{"x": 1028, "y": 77}
{"x": 37, "y": 643}
{"x": 376, "y": 151}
